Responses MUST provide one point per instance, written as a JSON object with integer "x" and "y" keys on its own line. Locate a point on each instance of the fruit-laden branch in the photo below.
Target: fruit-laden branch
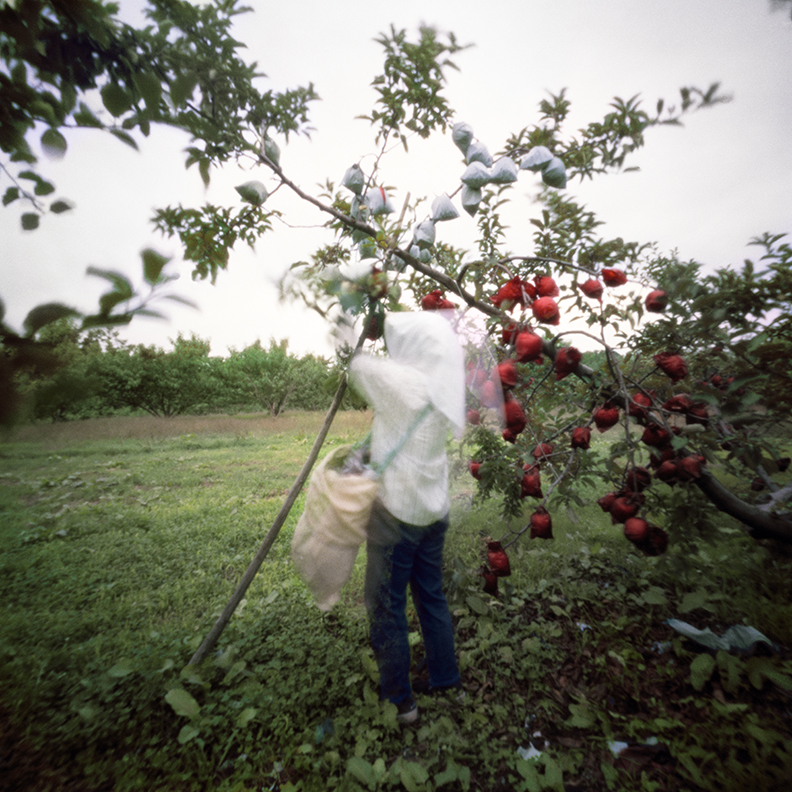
{"x": 441, "y": 278}
{"x": 760, "y": 521}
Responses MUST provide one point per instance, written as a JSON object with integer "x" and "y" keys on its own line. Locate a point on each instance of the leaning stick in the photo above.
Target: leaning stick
{"x": 211, "y": 639}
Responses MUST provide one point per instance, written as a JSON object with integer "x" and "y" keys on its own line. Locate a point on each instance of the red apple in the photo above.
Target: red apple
{"x": 545, "y": 286}
{"x": 581, "y": 438}
{"x": 567, "y": 360}
{"x": 655, "y": 436}
{"x": 605, "y": 417}
{"x": 531, "y": 483}
{"x": 656, "y": 301}
{"x": 507, "y": 373}
{"x": 541, "y": 451}
{"x": 592, "y": 288}
{"x": 613, "y": 277}
{"x": 497, "y": 559}
{"x": 528, "y": 347}
{"x": 490, "y": 581}
{"x": 541, "y": 524}
{"x": 673, "y": 366}
{"x": 636, "y": 529}
{"x": 606, "y": 502}
{"x": 638, "y": 479}
{"x": 545, "y": 310}
{"x": 638, "y": 406}
{"x": 515, "y": 417}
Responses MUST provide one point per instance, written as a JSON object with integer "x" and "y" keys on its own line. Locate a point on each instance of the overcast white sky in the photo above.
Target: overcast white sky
{"x": 704, "y": 189}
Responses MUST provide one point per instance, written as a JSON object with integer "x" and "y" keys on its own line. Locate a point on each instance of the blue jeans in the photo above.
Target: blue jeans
{"x": 399, "y": 555}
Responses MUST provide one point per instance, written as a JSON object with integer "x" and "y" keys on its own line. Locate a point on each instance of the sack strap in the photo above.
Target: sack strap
{"x": 380, "y": 469}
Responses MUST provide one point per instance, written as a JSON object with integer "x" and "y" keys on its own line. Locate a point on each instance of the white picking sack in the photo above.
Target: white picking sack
{"x": 332, "y": 526}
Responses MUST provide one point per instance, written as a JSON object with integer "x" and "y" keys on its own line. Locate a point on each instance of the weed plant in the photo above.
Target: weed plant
{"x": 121, "y": 543}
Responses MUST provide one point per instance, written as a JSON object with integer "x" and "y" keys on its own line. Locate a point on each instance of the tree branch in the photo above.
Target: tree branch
{"x": 760, "y": 522}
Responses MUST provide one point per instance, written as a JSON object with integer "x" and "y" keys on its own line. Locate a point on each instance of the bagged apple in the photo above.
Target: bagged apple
{"x": 504, "y": 171}
{"x": 537, "y": 159}
{"x": 354, "y": 179}
{"x": 443, "y": 209}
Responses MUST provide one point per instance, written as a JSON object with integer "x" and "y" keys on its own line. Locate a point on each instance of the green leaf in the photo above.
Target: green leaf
{"x": 183, "y": 300}
{"x": 582, "y": 717}
{"x": 120, "y": 282}
{"x": 760, "y": 668}
{"x": 182, "y": 702}
{"x": 554, "y": 778}
{"x": 109, "y": 301}
{"x": 85, "y": 117}
{"x": 362, "y": 770}
{"x": 182, "y": 88}
{"x": 187, "y": 733}
{"x": 59, "y": 207}
{"x": 203, "y": 169}
{"x": 45, "y": 314}
{"x": 116, "y": 99}
{"x": 10, "y": 195}
{"x": 53, "y": 143}
{"x": 530, "y": 774}
{"x": 30, "y": 221}
{"x": 124, "y": 137}
{"x": 413, "y": 776}
{"x": 655, "y": 596}
{"x": 246, "y": 716}
{"x": 43, "y": 187}
{"x": 122, "y": 668}
{"x": 149, "y": 87}
{"x": 477, "y": 605}
{"x": 693, "y": 600}
{"x": 701, "y": 670}
{"x": 153, "y": 263}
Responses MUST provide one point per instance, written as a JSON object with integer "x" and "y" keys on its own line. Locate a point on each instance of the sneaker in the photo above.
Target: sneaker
{"x": 407, "y": 711}
{"x": 422, "y": 687}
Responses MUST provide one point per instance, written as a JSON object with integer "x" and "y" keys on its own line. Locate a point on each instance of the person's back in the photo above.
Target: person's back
{"x": 418, "y": 394}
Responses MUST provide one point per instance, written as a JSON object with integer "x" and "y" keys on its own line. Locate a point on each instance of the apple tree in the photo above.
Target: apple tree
{"x": 693, "y": 384}
{"x": 690, "y": 407}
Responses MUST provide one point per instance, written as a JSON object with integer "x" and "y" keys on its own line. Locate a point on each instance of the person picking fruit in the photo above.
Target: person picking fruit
{"x": 423, "y": 374}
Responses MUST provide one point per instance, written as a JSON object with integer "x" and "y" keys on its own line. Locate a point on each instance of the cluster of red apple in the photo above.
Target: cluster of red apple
{"x": 669, "y": 466}
{"x": 495, "y": 388}
{"x": 497, "y": 566}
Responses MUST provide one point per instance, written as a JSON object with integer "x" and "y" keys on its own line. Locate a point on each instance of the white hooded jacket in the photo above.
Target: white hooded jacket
{"x": 425, "y": 365}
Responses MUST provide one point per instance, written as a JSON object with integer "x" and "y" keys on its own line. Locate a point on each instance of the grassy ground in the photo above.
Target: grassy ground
{"x": 122, "y": 539}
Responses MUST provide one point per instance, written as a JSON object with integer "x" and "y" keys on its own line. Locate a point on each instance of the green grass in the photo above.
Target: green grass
{"x": 122, "y": 540}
